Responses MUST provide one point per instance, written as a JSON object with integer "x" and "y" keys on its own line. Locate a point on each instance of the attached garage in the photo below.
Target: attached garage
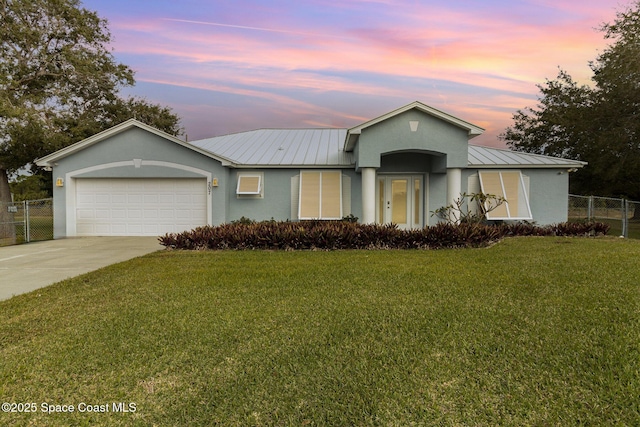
{"x": 134, "y": 180}
{"x": 139, "y": 207}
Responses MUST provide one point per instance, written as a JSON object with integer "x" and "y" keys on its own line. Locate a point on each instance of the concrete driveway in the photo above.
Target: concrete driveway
{"x": 24, "y": 268}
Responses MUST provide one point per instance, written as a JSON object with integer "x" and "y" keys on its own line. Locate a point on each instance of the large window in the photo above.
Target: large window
{"x": 320, "y": 195}
{"x": 510, "y": 185}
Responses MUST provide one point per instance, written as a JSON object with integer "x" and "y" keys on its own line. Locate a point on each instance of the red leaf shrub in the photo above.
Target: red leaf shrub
{"x": 332, "y": 235}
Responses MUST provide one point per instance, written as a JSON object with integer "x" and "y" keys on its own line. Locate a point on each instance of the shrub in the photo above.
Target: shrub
{"x": 332, "y": 235}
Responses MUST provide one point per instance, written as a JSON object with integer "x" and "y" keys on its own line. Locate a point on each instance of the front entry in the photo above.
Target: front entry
{"x": 400, "y": 200}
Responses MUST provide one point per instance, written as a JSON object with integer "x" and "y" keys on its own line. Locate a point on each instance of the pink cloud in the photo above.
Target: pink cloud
{"x": 481, "y": 63}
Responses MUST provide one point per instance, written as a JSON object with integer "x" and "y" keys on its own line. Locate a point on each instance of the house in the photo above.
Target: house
{"x": 136, "y": 180}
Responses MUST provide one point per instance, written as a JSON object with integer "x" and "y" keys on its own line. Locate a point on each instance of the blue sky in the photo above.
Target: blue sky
{"x": 237, "y": 65}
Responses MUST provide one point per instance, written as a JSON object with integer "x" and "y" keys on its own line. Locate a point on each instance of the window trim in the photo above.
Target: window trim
{"x": 523, "y": 197}
{"x": 259, "y": 192}
{"x": 320, "y": 195}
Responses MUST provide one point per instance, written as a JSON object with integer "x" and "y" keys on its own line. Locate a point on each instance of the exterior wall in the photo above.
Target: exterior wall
{"x": 276, "y": 202}
{"x": 116, "y": 158}
{"x": 548, "y": 193}
{"x": 389, "y": 146}
{"x": 437, "y": 196}
{"x": 433, "y": 136}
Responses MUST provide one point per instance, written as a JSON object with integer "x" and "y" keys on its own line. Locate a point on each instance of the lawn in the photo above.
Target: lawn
{"x": 531, "y": 331}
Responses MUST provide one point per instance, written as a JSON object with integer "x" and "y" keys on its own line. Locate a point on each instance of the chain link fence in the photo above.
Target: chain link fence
{"x": 622, "y": 215}
{"x": 24, "y": 222}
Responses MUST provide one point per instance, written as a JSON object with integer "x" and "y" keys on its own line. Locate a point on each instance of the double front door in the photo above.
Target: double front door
{"x": 400, "y": 200}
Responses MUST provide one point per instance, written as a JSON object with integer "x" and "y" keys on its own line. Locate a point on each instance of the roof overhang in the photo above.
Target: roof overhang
{"x": 51, "y": 159}
{"x": 481, "y": 157}
{"x": 354, "y": 133}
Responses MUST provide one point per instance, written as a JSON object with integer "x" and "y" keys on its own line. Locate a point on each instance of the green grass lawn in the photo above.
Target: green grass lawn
{"x": 41, "y": 228}
{"x": 532, "y": 331}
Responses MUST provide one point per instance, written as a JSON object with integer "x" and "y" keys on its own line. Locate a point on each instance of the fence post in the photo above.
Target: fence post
{"x": 589, "y": 208}
{"x": 27, "y": 232}
{"x": 625, "y": 219}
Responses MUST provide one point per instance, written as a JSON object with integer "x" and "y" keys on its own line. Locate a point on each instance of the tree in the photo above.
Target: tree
{"x": 599, "y": 124}
{"x": 28, "y": 187}
{"x": 59, "y": 83}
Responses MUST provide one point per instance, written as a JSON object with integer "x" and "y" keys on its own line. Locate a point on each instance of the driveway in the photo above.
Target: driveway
{"x": 24, "y": 268}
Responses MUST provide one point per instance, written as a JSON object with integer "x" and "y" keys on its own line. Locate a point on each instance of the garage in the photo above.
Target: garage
{"x": 139, "y": 206}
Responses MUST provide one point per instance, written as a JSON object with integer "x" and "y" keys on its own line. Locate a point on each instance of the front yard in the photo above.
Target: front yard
{"x": 531, "y": 331}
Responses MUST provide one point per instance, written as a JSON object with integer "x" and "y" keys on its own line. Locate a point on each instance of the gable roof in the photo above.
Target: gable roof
{"x": 272, "y": 148}
{"x": 354, "y": 132}
{"x": 48, "y": 160}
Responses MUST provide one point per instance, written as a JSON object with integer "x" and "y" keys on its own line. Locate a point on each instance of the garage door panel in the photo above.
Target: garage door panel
{"x": 118, "y": 198}
{"x": 109, "y": 207}
{"x": 166, "y": 214}
{"x": 85, "y": 214}
{"x": 102, "y": 198}
{"x": 183, "y": 198}
{"x": 166, "y": 198}
{"x": 86, "y": 198}
{"x": 134, "y": 213}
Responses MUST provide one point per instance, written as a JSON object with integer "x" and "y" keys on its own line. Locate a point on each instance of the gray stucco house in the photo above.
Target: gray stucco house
{"x": 136, "y": 180}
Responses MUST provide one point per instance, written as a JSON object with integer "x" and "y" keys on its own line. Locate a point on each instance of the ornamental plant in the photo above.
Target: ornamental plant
{"x": 334, "y": 235}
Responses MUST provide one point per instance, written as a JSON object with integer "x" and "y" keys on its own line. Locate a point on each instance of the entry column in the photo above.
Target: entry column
{"x": 368, "y": 195}
{"x": 454, "y": 188}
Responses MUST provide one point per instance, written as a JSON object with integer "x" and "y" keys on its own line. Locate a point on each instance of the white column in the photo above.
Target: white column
{"x": 368, "y": 195}
{"x": 454, "y": 186}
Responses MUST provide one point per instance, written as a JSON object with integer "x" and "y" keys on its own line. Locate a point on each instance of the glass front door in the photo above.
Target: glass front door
{"x": 400, "y": 200}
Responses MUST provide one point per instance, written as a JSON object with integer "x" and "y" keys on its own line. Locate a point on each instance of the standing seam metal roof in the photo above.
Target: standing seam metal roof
{"x": 496, "y": 157}
{"x": 325, "y": 147}
{"x": 281, "y": 147}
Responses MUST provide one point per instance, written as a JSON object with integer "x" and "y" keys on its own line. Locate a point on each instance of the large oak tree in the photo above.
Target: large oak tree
{"x": 597, "y": 123}
{"x": 59, "y": 83}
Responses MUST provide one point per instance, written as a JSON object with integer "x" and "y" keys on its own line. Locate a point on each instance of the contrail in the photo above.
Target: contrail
{"x": 243, "y": 27}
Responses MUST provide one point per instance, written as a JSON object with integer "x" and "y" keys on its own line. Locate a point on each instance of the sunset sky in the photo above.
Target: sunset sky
{"x": 228, "y": 66}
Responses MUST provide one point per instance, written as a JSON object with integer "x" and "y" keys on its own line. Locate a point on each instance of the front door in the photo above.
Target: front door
{"x": 400, "y": 200}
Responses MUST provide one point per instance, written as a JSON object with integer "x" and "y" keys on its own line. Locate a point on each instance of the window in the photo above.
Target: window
{"x": 511, "y": 186}
{"x": 249, "y": 184}
{"x": 320, "y": 195}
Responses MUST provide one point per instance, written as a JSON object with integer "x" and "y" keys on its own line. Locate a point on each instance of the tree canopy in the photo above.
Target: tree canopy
{"x": 597, "y": 123}
{"x": 59, "y": 82}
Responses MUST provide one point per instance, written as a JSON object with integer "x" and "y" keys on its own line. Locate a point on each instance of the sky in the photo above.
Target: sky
{"x": 227, "y": 66}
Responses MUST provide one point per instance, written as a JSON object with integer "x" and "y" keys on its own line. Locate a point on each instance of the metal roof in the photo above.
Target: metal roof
{"x": 489, "y": 157}
{"x": 281, "y": 147}
{"x": 325, "y": 147}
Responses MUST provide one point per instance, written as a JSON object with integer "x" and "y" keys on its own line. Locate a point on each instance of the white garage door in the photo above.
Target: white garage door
{"x": 139, "y": 207}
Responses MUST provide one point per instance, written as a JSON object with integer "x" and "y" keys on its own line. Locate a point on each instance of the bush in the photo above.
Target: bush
{"x": 332, "y": 235}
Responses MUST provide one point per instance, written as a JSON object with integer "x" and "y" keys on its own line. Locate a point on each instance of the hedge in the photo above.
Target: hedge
{"x": 332, "y": 235}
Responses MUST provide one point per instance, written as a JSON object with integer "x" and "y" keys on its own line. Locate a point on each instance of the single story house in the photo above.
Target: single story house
{"x": 133, "y": 179}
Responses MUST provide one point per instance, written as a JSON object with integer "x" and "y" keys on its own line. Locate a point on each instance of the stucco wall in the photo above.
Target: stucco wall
{"x": 548, "y": 193}
{"x": 432, "y": 136}
{"x": 277, "y": 198}
{"x": 175, "y": 162}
